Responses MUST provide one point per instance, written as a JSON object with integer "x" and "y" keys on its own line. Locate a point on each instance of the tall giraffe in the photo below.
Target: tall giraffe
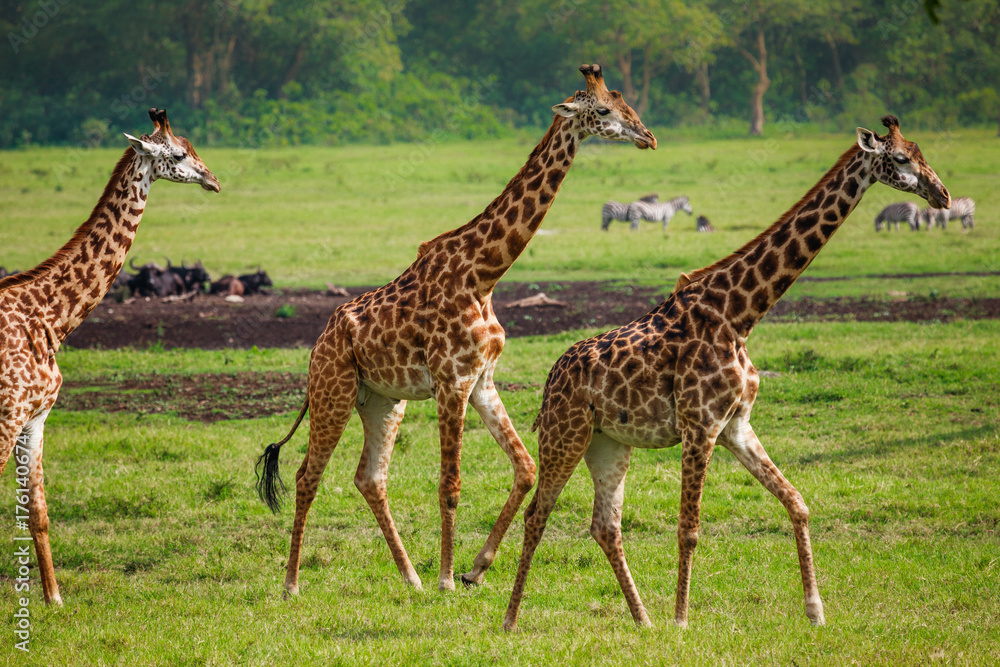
{"x": 432, "y": 333}
{"x": 40, "y": 307}
{"x": 681, "y": 374}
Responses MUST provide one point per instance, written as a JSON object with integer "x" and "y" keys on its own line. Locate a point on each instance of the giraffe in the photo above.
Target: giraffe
{"x": 40, "y": 307}
{"x": 681, "y": 374}
{"x": 432, "y": 333}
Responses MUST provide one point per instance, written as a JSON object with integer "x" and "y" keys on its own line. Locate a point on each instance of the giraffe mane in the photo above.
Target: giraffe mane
{"x": 427, "y": 245}
{"x": 698, "y": 275}
{"x": 81, "y": 232}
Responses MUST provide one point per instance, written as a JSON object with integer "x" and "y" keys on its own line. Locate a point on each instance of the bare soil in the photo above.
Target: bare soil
{"x": 210, "y": 397}
{"x": 296, "y": 317}
{"x": 293, "y": 318}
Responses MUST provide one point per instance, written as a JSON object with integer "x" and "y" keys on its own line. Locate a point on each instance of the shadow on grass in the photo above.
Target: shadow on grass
{"x": 882, "y": 448}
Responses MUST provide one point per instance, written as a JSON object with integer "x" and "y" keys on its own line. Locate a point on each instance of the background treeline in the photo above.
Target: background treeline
{"x": 261, "y": 72}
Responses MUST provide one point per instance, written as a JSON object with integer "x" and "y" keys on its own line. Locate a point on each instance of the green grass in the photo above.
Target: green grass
{"x": 355, "y": 215}
{"x": 890, "y": 431}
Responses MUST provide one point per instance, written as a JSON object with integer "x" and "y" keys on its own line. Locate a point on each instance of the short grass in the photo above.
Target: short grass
{"x": 355, "y": 215}
{"x": 891, "y": 432}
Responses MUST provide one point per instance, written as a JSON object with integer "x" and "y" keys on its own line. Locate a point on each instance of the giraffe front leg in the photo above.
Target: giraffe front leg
{"x": 694, "y": 465}
{"x": 38, "y": 513}
{"x": 489, "y": 406}
{"x": 451, "y": 421}
{"x": 745, "y": 446}
{"x": 381, "y": 417}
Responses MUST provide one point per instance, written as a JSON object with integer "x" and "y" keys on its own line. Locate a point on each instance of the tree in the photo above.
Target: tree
{"x": 641, "y": 38}
{"x": 748, "y": 24}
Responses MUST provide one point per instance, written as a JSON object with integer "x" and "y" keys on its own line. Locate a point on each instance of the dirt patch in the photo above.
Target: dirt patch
{"x": 210, "y": 397}
{"x": 295, "y": 318}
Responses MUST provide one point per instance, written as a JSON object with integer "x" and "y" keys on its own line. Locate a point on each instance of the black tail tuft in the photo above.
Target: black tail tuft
{"x": 266, "y": 488}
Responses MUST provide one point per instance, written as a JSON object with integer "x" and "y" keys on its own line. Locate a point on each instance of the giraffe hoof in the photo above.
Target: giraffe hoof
{"x": 55, "y": 600}
{"x": 815, "y": 613}
{"x": 446, "y": 585}
{"x": 469, "y": 580}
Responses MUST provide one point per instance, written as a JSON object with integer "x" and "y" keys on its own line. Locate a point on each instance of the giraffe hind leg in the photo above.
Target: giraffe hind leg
{"x": 331, "y": 403}
{"x": 562, "y": 440}
{"x": 489, "y": 406}
{"x": 608, "y": 463}
{"x": 381, "y": 417}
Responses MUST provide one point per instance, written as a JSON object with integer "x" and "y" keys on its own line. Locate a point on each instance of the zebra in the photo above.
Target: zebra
{"x": 656, "y": 211}
{"x": 704, "y": 225}
{"x": 963, "y": 208}
{"x": 615, "y": 210}
{"x": 894, "y": 213}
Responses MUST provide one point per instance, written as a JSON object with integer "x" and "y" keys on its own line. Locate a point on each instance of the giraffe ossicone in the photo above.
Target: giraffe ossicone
{"x": 681, "y": 375}
{"x": 40, "y": 307}
{"x": 432, "y": 333}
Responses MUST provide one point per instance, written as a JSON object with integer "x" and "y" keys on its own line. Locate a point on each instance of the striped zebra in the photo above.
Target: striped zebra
{"x": 615, "y": 210}
{"x": 656, "y": 211}
{"x": 704, "y": 225}
{"x": 895, "y": 213}
{"x": 962, "y": 208}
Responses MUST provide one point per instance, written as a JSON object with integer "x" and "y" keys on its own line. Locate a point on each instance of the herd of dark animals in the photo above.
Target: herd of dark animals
{"x": 152, "y": 280}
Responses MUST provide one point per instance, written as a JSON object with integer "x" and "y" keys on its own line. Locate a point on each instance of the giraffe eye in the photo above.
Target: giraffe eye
{"x": 603, "y": 111}
{"x": 900, "y": 159}
{"x": 178, "y": 156}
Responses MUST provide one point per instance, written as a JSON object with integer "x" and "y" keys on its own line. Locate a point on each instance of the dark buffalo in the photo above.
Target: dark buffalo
{"x": 227, "y": 285}
{"x": 254, "y": 282}
{"x": 151, "y": 280}
{"x": 193, "y": 277}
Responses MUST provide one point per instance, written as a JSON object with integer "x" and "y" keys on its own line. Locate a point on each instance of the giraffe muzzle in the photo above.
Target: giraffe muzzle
{"x": 645, "y": 139}
{"x": 210, "y": 182}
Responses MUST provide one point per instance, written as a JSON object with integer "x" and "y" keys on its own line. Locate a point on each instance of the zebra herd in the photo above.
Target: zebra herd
{"x": 962, "y": 208}
{"x": 651, "y": 209}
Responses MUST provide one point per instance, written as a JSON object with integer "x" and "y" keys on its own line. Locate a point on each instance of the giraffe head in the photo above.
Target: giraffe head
{"x": 603, "y": 112}
{"x": 173, "y": 157}
{"x": 899, "y": 164}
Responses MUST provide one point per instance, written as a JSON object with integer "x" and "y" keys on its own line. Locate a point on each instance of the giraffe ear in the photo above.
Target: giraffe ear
{"x": 869, "y": 141}
{"x": 566, "y": 109}
{"x": 144, "y": 148}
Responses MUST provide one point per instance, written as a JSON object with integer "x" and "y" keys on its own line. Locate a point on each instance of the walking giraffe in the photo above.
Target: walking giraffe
{"x": 432, "y": 333}
{"x": 39, "y": 308}
{"x": 681, "y": 374}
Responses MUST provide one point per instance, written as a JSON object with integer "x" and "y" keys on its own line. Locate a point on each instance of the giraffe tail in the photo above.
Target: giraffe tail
{"x": 266, "y": 468}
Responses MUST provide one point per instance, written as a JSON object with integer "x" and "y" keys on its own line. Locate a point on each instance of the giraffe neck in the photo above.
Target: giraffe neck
{"x": 61, "y": 291}
{"x": 496, "y": 237}
{"x": 758, "y": 274}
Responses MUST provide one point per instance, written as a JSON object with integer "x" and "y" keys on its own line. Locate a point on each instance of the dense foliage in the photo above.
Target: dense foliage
{"x": 262, "y": 72}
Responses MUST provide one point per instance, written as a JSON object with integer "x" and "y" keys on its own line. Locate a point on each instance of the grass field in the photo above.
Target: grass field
{"x": 355, "y": 215}
{"x": 165, "y": 556}
{"x": 890, "y": 431}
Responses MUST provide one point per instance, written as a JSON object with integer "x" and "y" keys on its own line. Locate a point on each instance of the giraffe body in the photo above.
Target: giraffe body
{"x": 681, "y": 374}
{"x": 432, "y": 333}
{"x": 39, "y": 308}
